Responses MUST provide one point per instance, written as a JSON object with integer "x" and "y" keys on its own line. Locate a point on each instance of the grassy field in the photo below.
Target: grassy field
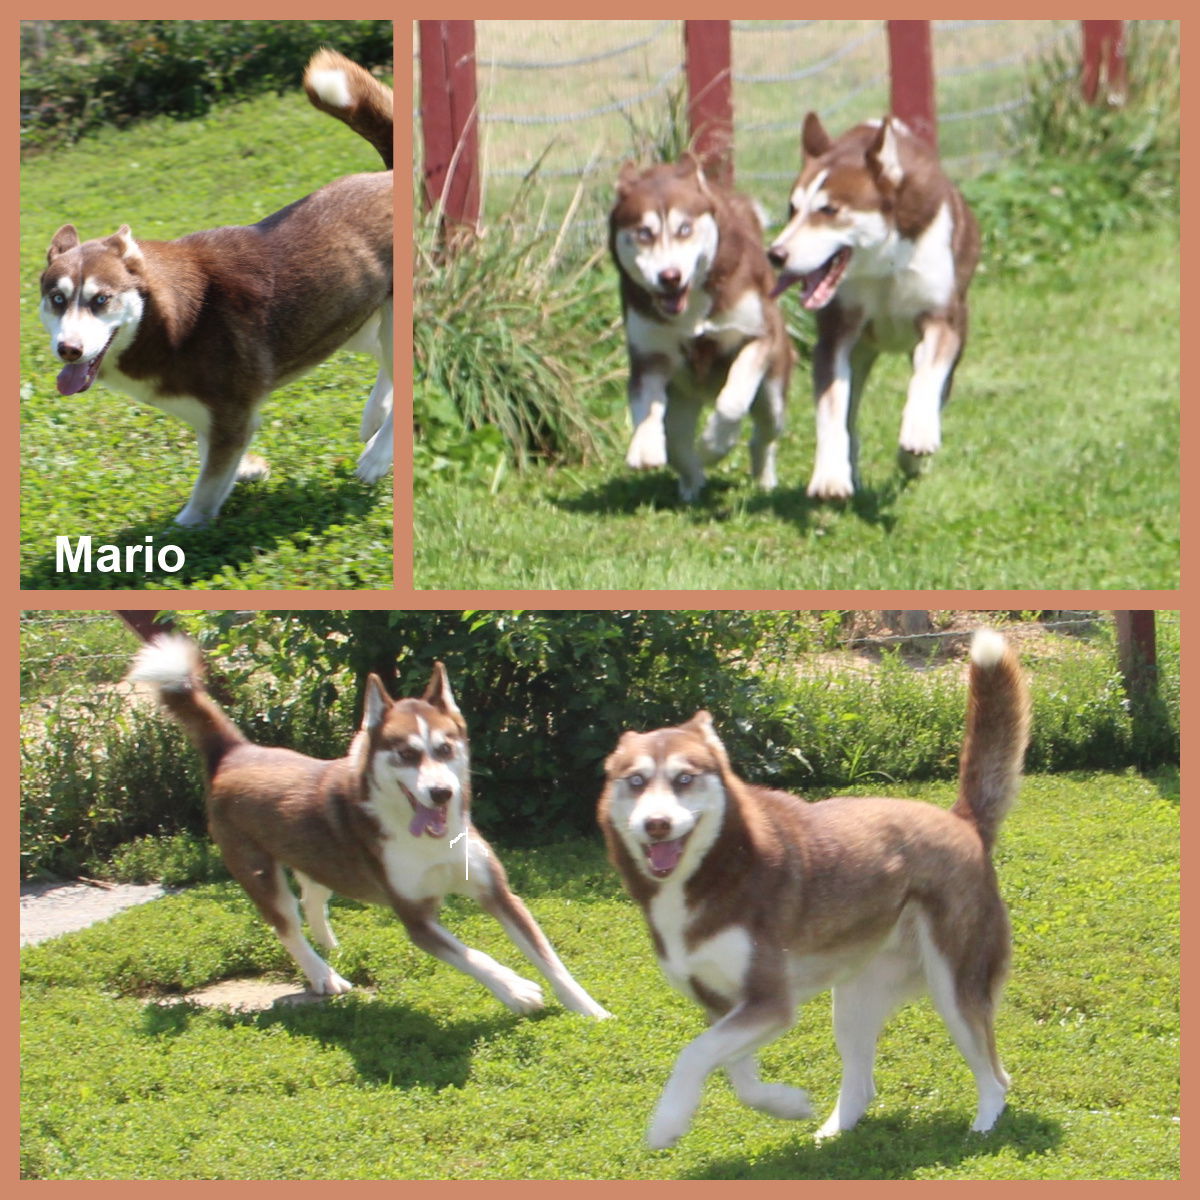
{"x": 1059, "y": 468}
{"x": 421, "y": 1074}
{"x": 99, "y": 464}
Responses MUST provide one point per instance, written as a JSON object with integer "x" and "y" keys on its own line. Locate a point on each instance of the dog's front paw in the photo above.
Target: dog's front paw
{"x": 719, "y": 437}
{"x": 330, "y": 983}
{"x": 667, "y": 1127}
{"x": 375, "y": 460}
{"x": 252, "y": 466}
{"x": 648, "y": 447}
{"x": 193, "y": 518}
{"x": 831, "y": 483}
{"x": 520, "y": 994}
{"x": 790, "y": 1103}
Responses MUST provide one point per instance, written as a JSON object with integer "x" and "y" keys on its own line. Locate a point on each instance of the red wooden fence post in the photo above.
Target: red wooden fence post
{"x": 910, "y": 49}
{"x": 1103, "y": 58}
{"x": 1137, "y": 654}
{"x": 450, "y": 119}
{"x": 708, "y": 50}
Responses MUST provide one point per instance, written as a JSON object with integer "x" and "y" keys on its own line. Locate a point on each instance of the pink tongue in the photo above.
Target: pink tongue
{"x": 664, "y": 856}
{"x": 428, "y": 820}
{"x": 77, "y": 377}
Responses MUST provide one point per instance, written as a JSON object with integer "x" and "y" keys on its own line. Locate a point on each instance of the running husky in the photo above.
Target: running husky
{"x": 885, "y": 247}
{"x": 380, "y": 826}
{"x": 207, "y": 326}
{"x": 757, "y": 900}
{"x": 700, "y": 323}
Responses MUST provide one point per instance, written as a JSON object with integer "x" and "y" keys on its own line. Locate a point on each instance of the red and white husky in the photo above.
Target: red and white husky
{"x": 700, "y": 323}
{"x": 388, "y": 824}
{"x": 207, "y": 326}
{"x": 757, "y": 901}
{"x": 885, "y": 247}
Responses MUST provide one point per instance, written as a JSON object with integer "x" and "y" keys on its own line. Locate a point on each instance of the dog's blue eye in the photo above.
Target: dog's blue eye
{"x": 636, "y": 781}
{"x": 57, "y": 299}
{"x": 645, "y": 235}
{"x": 685, "y": 230}
{"x": 100, "y": 301}
{"x": 683, "y": 779}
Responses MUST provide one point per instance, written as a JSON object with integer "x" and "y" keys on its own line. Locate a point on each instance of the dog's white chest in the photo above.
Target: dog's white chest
{"x": 717, "y": 965}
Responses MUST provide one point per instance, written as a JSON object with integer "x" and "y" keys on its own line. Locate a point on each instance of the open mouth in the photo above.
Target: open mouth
{"x": 671, "y": 303}
{"x": 79, "y": 376}
{"x": 663, "y": 857}
{"x": 819, "y": 285}
{"x": 427, "y": 820}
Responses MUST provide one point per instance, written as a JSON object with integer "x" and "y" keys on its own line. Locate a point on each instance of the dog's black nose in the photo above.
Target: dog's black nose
{"x": 778, "y": 257}
{"x": 70, "y": 351}
{"x": 440, "y": 795}
{"x": 657, "y": 827}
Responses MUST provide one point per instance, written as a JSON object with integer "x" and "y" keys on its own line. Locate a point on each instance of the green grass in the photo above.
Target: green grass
{"x": 1059, "y": 467}
{"x": 424, "y": 1075}
{"x": 99, "y": 464}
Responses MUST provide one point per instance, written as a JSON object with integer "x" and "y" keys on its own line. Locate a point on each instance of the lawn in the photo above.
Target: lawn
{"x": 421, "y": 1074}
{"x": 1059, "y": 468}
{"x": 98, "y": 464}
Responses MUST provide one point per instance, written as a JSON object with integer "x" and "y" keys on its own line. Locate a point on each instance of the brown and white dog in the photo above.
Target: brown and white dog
{"x": 757, "y": 901}
{"x": 388, "y": 824}
{"x": 700, "y": 323}
{"x": 885, "y": 247}
{"x": 207, "y": 326}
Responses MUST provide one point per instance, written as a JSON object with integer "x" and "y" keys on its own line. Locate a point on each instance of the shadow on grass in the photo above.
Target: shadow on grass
{"x": 630, "y": 494}
{"x": 892, "y": 1147}
{"x": 255, "y": 519}
{"x": 389, "y": 1043}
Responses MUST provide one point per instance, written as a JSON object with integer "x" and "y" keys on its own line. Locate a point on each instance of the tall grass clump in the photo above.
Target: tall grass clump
{"x": 511, "y": 345}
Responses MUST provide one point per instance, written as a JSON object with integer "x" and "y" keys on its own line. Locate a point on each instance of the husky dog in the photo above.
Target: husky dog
{"x": 380, "y": 826}
{"x": 207, "y": 326}
{"x": 700, "y": 323}
{"x": 757, "y": 900}
{"x": 884, "y": 247}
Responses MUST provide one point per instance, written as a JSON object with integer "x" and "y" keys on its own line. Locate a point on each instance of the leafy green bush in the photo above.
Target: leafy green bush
{"x": 79, "y": 75}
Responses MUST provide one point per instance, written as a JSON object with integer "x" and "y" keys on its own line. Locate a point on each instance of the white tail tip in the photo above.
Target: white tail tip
{"x": 987, "y": 648}
{"x": 170, "y": 663}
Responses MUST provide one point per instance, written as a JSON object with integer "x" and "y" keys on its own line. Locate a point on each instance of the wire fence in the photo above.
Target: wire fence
{"x": 569, "y": 101}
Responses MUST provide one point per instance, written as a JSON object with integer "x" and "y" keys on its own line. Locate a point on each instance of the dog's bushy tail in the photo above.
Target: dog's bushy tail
{"x": 343, "y": 89}
{"x": 997, "y": 733}
{"x": 172, "y": 666}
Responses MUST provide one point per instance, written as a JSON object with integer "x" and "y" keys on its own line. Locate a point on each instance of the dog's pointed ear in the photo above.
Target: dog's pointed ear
{"x": 702, "y": 724}
{"x": 67, "y": 238}
{"x": 122, "y": 242}
{"x": 689, "y": 166}
{"x": 883, "y": 155}
{"x": 376, "y": 704}
{"x": 623, "y": 744}
{"x": 438, "y": 694}
{"x": 814, "y": 141}
{"x": 629, "y": 174}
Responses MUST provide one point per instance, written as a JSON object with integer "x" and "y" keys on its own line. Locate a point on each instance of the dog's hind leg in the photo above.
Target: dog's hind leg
{"x": 967, "y": 1006}
{"x": 860, "y": 1007}
{"x": 266, "y": 885}
{"x": 933, "y": 361}
{"x": 314, "y": 899}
